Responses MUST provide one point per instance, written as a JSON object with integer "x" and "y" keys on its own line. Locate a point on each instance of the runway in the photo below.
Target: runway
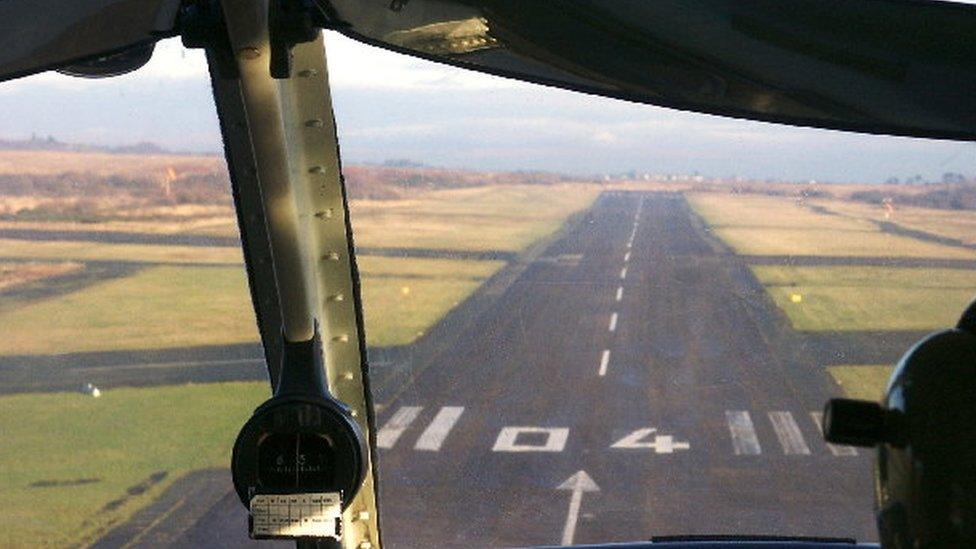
{"x": 633, "y": 381}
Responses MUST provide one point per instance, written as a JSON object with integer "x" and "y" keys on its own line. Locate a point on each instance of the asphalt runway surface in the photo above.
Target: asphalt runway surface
{"x": 634, "y": 380}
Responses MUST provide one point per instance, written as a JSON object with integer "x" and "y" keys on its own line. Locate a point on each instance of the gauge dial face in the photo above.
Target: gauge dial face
{"x": 294, "y": 446}
{"x": 289, "y": 461}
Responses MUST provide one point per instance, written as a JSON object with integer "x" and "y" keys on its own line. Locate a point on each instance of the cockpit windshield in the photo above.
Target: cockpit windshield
{"x": 585, "y": 320}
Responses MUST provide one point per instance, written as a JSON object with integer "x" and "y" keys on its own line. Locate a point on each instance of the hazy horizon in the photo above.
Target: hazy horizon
{"x": 389, "y": 106}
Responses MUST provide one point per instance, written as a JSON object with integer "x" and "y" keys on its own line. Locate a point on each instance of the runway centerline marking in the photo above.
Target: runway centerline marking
{"x": 626, "y": 257}
{"x": 555, "y": 439}
{"x": 839, "y": 451}
{"x": 434, "y": 435}
{"x": 623, "y": 273}
{"x": 613, "y": 323}
{"x": 788, "y": 433}
{"x": 744, "y": 440}
{"x": 620, "y": 293}
{"x": 604, "y": 362}
{"x": 388, "y": 435}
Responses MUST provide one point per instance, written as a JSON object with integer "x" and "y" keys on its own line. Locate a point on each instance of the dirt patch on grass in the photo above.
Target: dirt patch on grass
{"x": 13, "y": 275}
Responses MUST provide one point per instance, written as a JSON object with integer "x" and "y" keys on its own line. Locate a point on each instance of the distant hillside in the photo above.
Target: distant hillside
{"x": 46, "y": 179}
{"x": 49, "y": 143}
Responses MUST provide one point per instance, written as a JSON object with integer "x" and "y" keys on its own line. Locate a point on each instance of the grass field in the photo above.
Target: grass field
{"x": 155, "y": 308}
{"x": 99, "y": 251}
{"x": 162, "y": 307}
{"x": 958, "y": 224}
{"x": 869, "y": 298}
{"x": 402, "y": 298}
{"x": 220, "y": 222}
{"x": 765, "y": 225}
{"x": 863, "y": 382}
{"x": 78, "y": 462}
{"x": 507, "y": 218}
{"x": 13, "y": 275}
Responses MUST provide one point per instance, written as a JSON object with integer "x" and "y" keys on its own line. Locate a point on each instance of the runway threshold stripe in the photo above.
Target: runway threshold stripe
{"x": 620, "y": 293}
{"x": 389, "y": 434}
{"x": 788, "y": 433}
{"x": 613, "y": 322}
{"x": 434, "y": 435}
{"x": 839, "y": 451}
{"x": 604, "y": 362}
{"x": 744, "y": 439}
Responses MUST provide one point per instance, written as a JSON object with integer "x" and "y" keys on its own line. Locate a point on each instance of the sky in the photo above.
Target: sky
{"x": 390, "y": 106}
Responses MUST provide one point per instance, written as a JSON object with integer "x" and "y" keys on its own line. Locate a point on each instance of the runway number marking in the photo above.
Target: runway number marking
{"x": 839, "y": 451}
{"x": 788, "y": 433}
{"x": 744, "y": 440}
{"x": 434, "y": 435}
{"x": 613, "y": 323}
{"x": 604, "y": 362}
{"x": 620, "y": 293}
{"x": 389, "y": 434}
{"x": 661, "y": 444}
{"x": 554, "y": 439}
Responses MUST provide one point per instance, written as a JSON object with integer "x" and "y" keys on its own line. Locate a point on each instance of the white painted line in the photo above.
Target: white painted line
{"x": 389, "y": 434}
{"x": 627, "y": 256}
{"x": 604, "y": 362}
{"x": 623, "y": 273}
{"x": 433, "y": 436}
{"x": 578, "y": 483}
{"x": 788, "y": 433}
{"x": 620, "y": 293}
{"x": 555, "y": 439}
{"x": 744, "y": 440}
{"x": 630, "y": 243}
{"x": 661, "y": 444}
{"x": 838, "y": 451}
{"x": 613, "y": 322}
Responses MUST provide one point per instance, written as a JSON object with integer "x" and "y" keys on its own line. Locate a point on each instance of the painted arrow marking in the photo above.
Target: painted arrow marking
{"x": 661, "y": 444}
{"x": 578, "y": 483}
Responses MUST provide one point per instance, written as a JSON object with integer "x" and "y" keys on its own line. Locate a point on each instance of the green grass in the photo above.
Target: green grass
{"x": 163, "y": 307}
{"x": 764, "y": 225}
{"x": 100, "y": 251}
{"x": 121, "y": 439}
{"x": 863, "y": 382}
{"x": 505, "y": 217}
{"x": 869, "y": 298}
{"x": 402, "y": 298}
{"x": 155, "y": 308}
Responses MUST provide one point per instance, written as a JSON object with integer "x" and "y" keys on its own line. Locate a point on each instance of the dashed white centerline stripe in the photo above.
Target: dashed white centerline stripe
{"x": 788, "y": 433}
{"x": 627, "y": 256}
{"x": 834, "y": 449}
{"x": 613, "y": 322}
{"x": 623, "y": 273}
{"x": 604, "y": 362}
{"x": 620, "y": 293}
{"x": 389, "y": 434}
{"x": 744, "y": 440}
{"x": 433, "y": 436}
